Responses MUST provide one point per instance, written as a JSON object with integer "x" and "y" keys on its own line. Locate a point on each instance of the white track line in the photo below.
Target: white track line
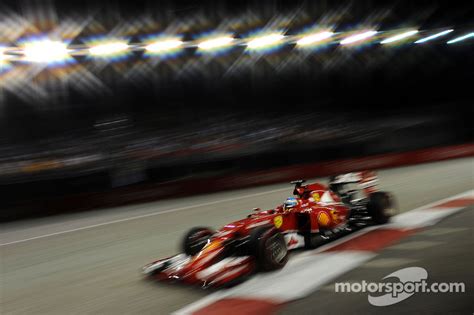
{"x": 470, "y": 192}
{"x": 205, "y": 204}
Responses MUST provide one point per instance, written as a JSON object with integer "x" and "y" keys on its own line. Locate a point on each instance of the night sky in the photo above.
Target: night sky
{"x": 372, "y": 79}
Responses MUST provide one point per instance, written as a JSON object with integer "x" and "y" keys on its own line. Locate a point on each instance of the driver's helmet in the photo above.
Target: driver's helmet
{"x": 290, "y": 203}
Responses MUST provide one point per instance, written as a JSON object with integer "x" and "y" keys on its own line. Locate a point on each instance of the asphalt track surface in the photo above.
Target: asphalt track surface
{"x": 444, "y": 250}
{"x": 89, "y": 262}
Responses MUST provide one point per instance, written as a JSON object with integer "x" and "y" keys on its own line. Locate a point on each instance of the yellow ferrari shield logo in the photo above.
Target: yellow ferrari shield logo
{"x": 316, "y": 197}
{"x": 278, "y": 221}
{"x": 323, "y": 219}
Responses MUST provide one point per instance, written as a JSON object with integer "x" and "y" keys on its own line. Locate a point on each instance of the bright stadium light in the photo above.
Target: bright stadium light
{"x": 399, "y": 37}
{"x": 45, "y": 51}
{"x": 108, "y": 49}
{"x": 265, "y": 41}
{"x": 163, "y": 46}
{"x": 3, "y": 57}
{"x": 433, "y": 36}
{"x": 358, "y": 37}
{"x": 216, "y": 43}
{"x": 314, "y": 38}
{"x": 460, "y": 38}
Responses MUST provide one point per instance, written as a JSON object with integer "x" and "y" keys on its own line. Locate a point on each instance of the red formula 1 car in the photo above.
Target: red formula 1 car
{"x": 316, "y": 214}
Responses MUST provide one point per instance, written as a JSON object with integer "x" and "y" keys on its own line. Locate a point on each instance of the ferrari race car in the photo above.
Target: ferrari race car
{"x": 260, "y": 242}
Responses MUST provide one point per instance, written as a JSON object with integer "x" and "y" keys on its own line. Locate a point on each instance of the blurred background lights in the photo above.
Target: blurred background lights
{"x": 164, "y": 46}
{"x": 425, "y": 39}
{"x": 5, "y": 65}
{"x": 109, "y": 49}
{"x": 265, "y": 41}
{"x": 399, "y": 37}
{"x": 216, "y": 43}
{"x": 358, "y": 37}
{"x": 3, "y": 57}
{"x": 45, "y": 51}
{"x": 461, "y": 38}
{"x": 313, "y": 39}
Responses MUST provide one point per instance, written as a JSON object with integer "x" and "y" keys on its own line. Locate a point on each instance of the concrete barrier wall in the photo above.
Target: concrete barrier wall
{"x": 190, "y": 186}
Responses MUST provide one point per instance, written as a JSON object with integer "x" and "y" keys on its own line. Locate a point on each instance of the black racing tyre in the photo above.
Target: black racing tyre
{"x": 333, "y": 187}
{"x": 268, "y": 246}
{"x": 381, "y": 207}
{"x": 195, "y": 240}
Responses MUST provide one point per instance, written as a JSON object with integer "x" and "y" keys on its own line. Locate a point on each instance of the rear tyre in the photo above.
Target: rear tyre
{"x": 381, "y": 207}
{"x": 268, "y": 246}
{"x": 195, "y": 240}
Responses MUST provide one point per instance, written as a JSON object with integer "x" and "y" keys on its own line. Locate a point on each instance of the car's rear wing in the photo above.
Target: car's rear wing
{"x": 366, "y": 180}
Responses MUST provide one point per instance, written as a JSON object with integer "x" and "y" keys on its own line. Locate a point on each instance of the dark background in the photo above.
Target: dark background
{"x": 393, "y": 99}
{"x": 410, "y": 77}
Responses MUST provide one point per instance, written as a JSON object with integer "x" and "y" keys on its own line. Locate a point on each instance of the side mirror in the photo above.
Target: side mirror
{"x": 256, "y": 209}
{"x": 298, "y": 191}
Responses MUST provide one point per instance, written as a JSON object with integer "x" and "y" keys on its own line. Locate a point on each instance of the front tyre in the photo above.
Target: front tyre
{"x": 268, "y": 246}
{"x": 195, "y": 240}
{"x": 381, "y": 207}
